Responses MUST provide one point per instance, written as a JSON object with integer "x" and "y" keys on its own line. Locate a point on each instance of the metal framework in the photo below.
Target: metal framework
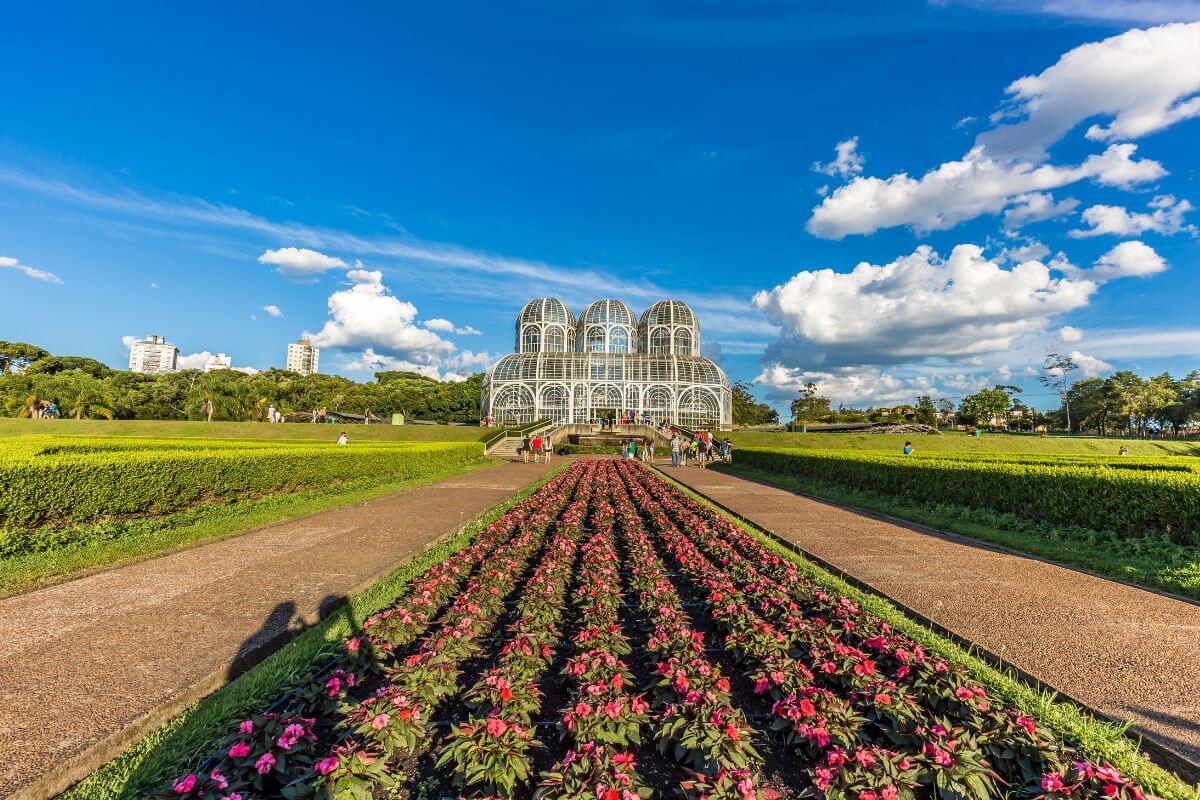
{"x": 607, "y": 363}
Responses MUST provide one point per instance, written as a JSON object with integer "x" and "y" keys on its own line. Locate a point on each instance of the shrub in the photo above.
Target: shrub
{"x": 75, "y": 487}
{"x": 1133, "y": 502}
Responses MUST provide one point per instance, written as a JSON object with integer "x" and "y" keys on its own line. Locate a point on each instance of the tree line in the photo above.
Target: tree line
{"x": 32, "y": 379}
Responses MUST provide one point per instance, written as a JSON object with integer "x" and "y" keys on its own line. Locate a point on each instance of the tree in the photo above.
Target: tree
{"x": 17, "y": 356}
{"x": 748, "y": 411}
{"x": 1057, "y": 369}
{"x": 926, "y": 413}
{"x": 809, "y": 406}
{"x": 986, "y": 406}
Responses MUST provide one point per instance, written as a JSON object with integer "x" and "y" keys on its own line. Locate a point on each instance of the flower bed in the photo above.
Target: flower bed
{"x": 455, "y": 691}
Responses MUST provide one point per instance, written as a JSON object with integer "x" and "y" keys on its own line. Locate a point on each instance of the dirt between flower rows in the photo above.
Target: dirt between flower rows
{"x": 91, "y": 665}
{"x": 1131, "y": 654}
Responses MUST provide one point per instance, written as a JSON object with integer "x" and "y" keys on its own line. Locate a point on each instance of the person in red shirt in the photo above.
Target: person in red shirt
{"x": 537, "y": 449}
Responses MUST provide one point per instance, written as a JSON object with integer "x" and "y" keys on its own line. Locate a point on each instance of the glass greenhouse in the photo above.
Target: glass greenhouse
{"x": 607, "y": 363}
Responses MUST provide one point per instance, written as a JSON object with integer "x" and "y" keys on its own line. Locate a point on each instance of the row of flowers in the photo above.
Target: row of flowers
{"x": 345, "y": 722}
{"x": 881, "y": 717}
{"x": 699, "y": 724}
{"x": 490, "y": 753}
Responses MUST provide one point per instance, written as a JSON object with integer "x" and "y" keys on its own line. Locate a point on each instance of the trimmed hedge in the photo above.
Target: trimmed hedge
{"x": 1132, "y": 502}
{"x": 61, "y": 488}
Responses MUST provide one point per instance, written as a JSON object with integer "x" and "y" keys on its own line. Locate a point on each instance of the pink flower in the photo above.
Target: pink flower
{"x": 264, "y": 763}
{"x": 761, "y": 685}
{"x": 889, "y": 793}
{"x": 334, "y": 685}
{"x": 1027, "y": 724}
{"x": 353, "y": 644}
{"x": 380, "y": 722}
{"x": 234, "y": 796}
{"x": 247, "y": 726}
{"x": 218, "y": 779}
{"x": 823, "y": 778}
{"x": 185, "y": 785}
{"x": 239, "y": 750}
{"x": 496, "y": 726}
{"x": 326, "y": 765}
{"x": 866, "y": 794}
{"x": 1052, "y": 783}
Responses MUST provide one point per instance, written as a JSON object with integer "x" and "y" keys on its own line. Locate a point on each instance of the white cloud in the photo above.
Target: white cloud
{"x": 1090, "y": 366}
{"x": 367, "y": 315}
{"x": 1141, "y": 81}
{"x": 300, "y": 263}
{"x": 847, "y": 385}
{"x": 153, "y": 285}
{"x": 7, "y": 262}
{"x": 130, "y": 341}
{"x": 1131, "y": 259}
{"x": 1165, "y": 217}
{"x": 1029, "y": 250}
{"x": 961, "y": 190}
{"x": 964, "y": 122}
{"x": 1146, "y": 12}
{"x": 273, "y": 311}
{"x": 1036, "y": 207}
{"x": 194, "y": 360}
{"x": 847, "y": 164}
{"x": 917, "y": 307}
{"x": 446, "y": 326}
{"x": 1069, "y": 334}
{"x": 1135, "y": 343}
{"x": 370, "y": 361}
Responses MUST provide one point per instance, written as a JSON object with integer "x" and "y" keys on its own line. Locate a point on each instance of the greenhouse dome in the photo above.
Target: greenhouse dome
{"x": 607, "y": 364}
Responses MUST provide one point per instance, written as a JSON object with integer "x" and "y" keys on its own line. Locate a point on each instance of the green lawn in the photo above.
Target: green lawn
{"x": 955, "y": 442}
{"x": 240, "y": 430}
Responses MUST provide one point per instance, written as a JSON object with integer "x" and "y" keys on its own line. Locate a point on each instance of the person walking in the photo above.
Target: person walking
{"x": 650, "y": 448}
{"x": 537, "y": 448}
{"x": 548, "y": 448}
{"x": 727, "y": 450}
{"x": 632, "y": 449}
{"x": 675, "y": 447}
{"x": 526, "y": 446}
{"x": 343, "y": 439}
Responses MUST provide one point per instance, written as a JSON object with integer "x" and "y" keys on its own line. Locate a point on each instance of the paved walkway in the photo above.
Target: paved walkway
{"x": 1132, "y": 654}
{"x": 88, "y": 666}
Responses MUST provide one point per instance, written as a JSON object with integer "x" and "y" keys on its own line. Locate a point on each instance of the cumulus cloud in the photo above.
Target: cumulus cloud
{"x": 1165, "y": 217}
{"x": 273, "y": 311}
{"x": 8, "y": 262}
{"x": 446, "y": 326}
{"x": 1140, "y": 81}
{"x": 847, "y": 385}
{"x": 1089, "y": 366}
{"x": 194, "y": 360}
{"x": 367, "y": 315}
{"x": 917, "y": 307}
{"x": 370, "y": 361}
{"x": 300, "y": 263}
{"x": 1131, "y": 259}
{"x": 847, "y": 164}
{"x": 1069, "y": 334}
{"x": 1036, "y": 207}
{"x": 961, "y": 190}
{"x": 1028, "y": 250}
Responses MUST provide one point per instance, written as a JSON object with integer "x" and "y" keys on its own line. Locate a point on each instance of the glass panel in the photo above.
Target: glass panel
{"x": 618, "y": 339}
{"x": 683, "y": 342}
{"x": 531, "y": 339}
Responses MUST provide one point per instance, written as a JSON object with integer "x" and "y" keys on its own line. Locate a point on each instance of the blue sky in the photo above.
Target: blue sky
{"x": 399, "y": 179}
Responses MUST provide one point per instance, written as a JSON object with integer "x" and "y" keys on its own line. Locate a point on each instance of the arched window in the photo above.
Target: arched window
{"x": 618, "y": 339}
{"x": 556, "y": 403}
{"x": 594, "y": 341}
{"x": 683, "y": 342}
{"x": 513, "y": 405}
{"x": 531, "y": 339}
{"x": 658, "y": 403}
{"x": 555, "y": 340}
{"x": 660, "y": 342}
{"x": 698, "y": 408}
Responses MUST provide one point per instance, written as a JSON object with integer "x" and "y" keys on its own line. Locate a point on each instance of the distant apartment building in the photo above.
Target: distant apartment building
{"x": 153, "y": 355}
{"x": 219, "y": 361}
{"x": 302, "y": 357}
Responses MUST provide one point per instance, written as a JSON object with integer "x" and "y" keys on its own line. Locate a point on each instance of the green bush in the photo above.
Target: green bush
{"x": 55, "y": 488}
{"x": 1132, "y": 502}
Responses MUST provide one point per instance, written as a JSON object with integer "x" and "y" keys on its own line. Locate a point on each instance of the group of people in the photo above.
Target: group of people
{"x": 45, "y": 411}
{"x": 639, "y": 451}
{"x": 701, "y": 448}
{"x": 538, "y": 447}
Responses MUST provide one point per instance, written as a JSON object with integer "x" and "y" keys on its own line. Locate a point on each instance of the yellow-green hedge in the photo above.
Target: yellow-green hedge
{"x": 1134, "y": 502}
{"x": 60, "y": 488}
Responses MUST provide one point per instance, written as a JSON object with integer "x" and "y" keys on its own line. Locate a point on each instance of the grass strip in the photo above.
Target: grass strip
{"x": 107, "y": 544}
{"x": 1153, "y": 562}
{"x": 194, "y": 734}
{"x": 1099, "y": 741}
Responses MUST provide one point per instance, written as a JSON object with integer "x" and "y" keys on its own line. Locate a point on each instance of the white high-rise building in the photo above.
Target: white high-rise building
{"x": 153, "y": 355}
{"x": 302, "y": 357}
{"x": 219, "y": 361}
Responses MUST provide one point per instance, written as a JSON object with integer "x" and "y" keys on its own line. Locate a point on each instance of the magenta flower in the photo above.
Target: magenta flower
{"x": 326, "y": 765}
{"x": 1052, "y": 783}
{"x": 239, "y": 750}
{"x": 264, "y": 763}
{"x": 246, "y": 727}
{"x": 185, "y": 785}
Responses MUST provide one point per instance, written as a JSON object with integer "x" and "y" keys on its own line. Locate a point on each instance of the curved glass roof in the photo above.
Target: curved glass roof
{"x": 604, "y": 311}
{"x": 546, "y": 309}
{"x": 638, "y": 367}
{"x": 669, "y": 312}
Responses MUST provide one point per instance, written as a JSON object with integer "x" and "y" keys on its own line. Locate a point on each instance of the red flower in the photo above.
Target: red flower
{"x": 496, "y": 726}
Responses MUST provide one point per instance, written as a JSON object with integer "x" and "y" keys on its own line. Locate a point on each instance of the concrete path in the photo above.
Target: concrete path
{"x": 1132, "y": 654}
{"x": 89, "y": 666}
